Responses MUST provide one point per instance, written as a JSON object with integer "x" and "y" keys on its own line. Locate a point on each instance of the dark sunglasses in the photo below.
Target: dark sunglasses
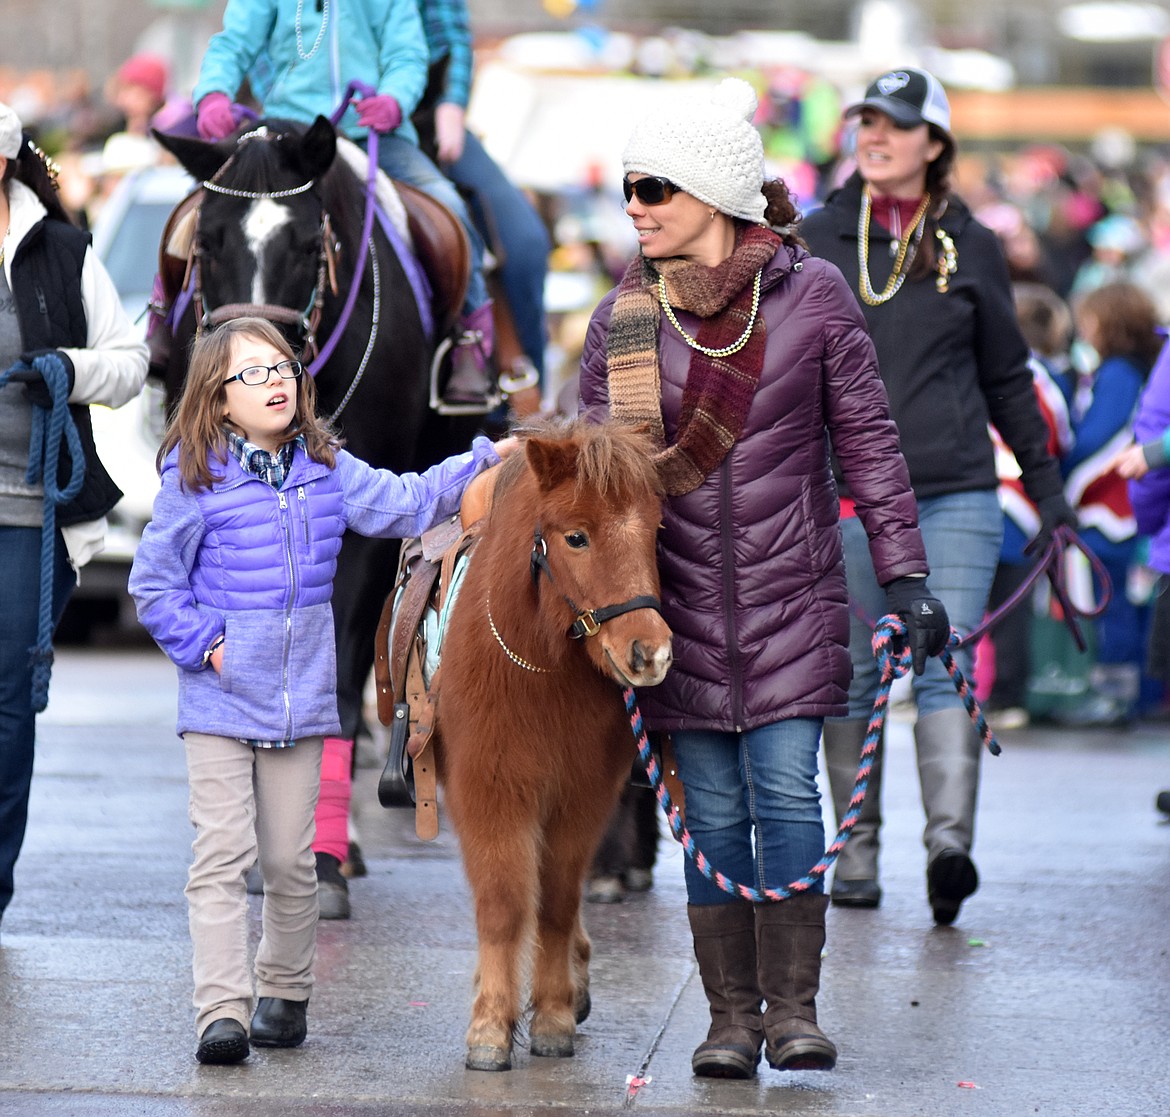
{"x": 650, "y": 191}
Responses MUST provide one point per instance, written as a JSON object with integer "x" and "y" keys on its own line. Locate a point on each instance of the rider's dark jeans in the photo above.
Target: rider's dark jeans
{"x": 20, "y": 572}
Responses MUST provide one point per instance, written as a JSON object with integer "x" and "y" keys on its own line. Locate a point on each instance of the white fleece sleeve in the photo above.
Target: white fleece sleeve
{"x": 112, "y": 368}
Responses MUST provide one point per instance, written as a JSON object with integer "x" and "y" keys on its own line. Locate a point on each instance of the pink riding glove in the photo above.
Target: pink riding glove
{"x": 381, "y": 112}
{"x": 215, "y": 119}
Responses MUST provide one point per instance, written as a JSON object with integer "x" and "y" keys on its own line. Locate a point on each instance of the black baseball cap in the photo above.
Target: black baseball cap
{"x": 909, "y": 97}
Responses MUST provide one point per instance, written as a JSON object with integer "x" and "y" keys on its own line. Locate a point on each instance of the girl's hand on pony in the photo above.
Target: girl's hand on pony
{"x": 506, "y": 446}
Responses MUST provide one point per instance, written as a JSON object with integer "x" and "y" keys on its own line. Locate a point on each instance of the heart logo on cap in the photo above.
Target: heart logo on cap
{"x": 891, "y": 83}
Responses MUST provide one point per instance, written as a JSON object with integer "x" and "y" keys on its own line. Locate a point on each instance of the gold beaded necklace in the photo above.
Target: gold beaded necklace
{"x": 901, "y": 262}
{"x": 727, "y": 350}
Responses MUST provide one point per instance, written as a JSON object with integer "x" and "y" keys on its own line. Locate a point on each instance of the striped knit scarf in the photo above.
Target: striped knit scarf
{"x": 719, "y": 390}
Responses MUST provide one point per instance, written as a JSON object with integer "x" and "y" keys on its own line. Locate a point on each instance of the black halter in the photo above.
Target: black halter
{"x": 589, "y": 621}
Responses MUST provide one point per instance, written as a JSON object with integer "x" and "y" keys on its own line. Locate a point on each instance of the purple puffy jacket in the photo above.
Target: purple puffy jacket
{"x": 753, "y": 583}
{"x": 258, "y": 564}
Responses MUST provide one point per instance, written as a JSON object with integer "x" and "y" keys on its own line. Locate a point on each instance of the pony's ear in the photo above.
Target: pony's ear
{"x": 317, "y": 148}
{"x": 551, "y": 460}
{"x": 199, "y": 158}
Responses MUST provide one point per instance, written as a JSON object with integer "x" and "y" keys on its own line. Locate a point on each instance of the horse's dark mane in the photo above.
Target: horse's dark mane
{"x": 612, "y": 457}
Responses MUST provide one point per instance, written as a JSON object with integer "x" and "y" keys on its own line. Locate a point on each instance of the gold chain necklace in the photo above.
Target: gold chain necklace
{"x": 898, "y": 276}
{"x": 518, "y": 660}
{"x": 727, "y": 350}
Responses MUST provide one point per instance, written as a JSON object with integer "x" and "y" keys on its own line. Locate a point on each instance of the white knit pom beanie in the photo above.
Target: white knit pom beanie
{"x": 707, "y": 146}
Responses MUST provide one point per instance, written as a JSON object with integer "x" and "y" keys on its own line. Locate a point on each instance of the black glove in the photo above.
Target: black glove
{"x": 927, "y": 626}
{"x": 36, "y": 391}
{"x": 1054, "y": 511}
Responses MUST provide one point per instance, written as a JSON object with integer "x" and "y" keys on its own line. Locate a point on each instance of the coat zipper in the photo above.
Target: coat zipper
{"x": 303, "y": 501}
{"x": 725, "y": 545}
{"x": 286, "y": 529}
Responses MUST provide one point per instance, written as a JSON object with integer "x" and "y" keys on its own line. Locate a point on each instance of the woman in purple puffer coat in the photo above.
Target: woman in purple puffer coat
{"x": 745, "y": 356}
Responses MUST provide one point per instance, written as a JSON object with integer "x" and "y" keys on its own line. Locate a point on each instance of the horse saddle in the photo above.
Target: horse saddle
{"x": 407, "y": 667}
{"x": 443, "y": 250}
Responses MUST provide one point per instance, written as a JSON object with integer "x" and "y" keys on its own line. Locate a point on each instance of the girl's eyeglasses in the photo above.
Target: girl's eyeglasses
{"x": 650, "y": 191}
{"x": 259, "y": 374}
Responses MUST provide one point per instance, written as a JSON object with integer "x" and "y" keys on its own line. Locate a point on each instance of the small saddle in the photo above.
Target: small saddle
{"x": 429, "y": 568}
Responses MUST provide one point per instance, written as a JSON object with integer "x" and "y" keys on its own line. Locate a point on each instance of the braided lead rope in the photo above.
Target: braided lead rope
{"x": 894, "y": 657}
{"x": 48, "y": 428}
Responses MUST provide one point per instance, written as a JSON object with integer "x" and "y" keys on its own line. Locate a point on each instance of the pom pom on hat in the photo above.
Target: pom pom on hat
{"x": 708, "y": 147}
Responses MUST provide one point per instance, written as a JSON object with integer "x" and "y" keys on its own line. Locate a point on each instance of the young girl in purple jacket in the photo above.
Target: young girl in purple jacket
{"x": 233, "y": 579}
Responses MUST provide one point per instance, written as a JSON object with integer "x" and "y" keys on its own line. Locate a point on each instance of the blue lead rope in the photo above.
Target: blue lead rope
{"x": 48, "y": 429}
{"x": 892, "y": 652}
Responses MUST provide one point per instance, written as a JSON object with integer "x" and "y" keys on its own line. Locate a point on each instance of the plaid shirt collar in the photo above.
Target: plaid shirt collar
{"x": 270, "y": 468}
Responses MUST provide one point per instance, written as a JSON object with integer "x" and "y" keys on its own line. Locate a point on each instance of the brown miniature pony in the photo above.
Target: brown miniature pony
{"x": 534, "y": 742}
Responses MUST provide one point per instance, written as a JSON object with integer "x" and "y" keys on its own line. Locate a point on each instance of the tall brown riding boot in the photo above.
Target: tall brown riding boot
{"x": 855, "y": 877}
{"x": 725, "y": 946}
{"x": 790, "y": 936}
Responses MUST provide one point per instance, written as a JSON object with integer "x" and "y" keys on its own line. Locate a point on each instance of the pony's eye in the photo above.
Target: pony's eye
{"x": 577, "y": 540}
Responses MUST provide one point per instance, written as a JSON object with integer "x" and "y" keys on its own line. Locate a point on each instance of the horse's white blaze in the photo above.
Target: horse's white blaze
{"x": 264, "y": 219}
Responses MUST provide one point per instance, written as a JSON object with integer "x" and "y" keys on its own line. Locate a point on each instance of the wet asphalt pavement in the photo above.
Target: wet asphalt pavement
{"x": 1051, "y": 995}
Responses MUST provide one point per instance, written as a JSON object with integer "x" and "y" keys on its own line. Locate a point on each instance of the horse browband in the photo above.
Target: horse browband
{"x": 589, "y": 621}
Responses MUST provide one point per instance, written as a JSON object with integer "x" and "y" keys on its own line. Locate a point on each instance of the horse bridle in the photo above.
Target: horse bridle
{"x": 589, "y": 621}
{"x": 307, "y": 320}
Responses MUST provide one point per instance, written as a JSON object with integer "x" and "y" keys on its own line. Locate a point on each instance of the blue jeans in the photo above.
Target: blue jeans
{"x": 20, "y": 579}
{"x": 402, "y": 159}
{"x": 506, "y": 219}
{"x": 962, "y": 533}
{"x": 752, "y": 805}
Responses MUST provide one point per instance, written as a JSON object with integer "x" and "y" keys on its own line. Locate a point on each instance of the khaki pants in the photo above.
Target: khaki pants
{"x": 244, "y": 802}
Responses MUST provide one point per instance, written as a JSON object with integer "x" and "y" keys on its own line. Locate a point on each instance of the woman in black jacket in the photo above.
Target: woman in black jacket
{"x": 936, "y": 296}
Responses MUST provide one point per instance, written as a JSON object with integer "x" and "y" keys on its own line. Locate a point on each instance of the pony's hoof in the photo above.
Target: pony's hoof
{"x": 487, "y": 1057}
{"x": 552, "y": 1047}
{"x": 584, "y": 1007}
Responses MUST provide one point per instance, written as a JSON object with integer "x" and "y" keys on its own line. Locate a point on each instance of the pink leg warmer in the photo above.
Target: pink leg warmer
{"x": 333, "y": 803}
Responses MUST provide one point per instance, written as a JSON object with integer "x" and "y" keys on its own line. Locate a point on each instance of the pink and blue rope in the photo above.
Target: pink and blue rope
{"x": 894, "y": 660}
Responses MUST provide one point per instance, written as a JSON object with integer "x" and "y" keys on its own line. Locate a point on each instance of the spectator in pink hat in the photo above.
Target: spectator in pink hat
{"x": 139, "y": 90}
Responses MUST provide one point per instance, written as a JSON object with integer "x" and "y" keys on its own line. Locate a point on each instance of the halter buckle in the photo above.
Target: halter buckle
{"x": 585, "y": 625}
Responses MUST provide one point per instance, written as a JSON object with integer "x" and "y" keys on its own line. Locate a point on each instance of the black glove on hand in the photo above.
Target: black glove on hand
{"x": 36, "y": 391}
{"x": 927, "y": 626}
{"x": 1054, "y": 511}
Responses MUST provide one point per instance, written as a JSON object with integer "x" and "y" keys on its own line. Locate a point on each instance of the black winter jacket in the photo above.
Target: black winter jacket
{"x": 951, "y": 362}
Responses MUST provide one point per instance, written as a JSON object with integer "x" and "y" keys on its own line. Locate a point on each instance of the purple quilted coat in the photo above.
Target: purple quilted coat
{"x": 753, "y": 582}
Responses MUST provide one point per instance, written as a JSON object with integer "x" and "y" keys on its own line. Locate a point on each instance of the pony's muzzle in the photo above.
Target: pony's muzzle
{"x": 645, "y": 662}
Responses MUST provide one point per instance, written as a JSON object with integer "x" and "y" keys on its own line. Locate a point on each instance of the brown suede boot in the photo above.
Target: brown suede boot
{"x": 725, "y": 945}
{"x": 790, "y": 936}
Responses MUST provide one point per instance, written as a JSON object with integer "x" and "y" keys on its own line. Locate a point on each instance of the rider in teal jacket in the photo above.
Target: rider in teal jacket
{"x": 313, "y": 50}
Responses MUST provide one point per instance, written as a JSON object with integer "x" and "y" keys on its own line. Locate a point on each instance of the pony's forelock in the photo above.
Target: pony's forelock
{"x": 611, "y": 459}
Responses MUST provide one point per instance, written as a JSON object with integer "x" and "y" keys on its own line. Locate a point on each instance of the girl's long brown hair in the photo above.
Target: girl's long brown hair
{"x": 199, "y": 426}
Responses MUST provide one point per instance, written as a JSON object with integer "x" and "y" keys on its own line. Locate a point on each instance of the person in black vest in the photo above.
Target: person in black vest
{"x": 55, "y": 297}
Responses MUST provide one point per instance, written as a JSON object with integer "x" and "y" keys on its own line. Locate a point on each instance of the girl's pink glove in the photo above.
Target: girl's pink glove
{"x": 215, "y": 119}
{"x": 381, "y": 112}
